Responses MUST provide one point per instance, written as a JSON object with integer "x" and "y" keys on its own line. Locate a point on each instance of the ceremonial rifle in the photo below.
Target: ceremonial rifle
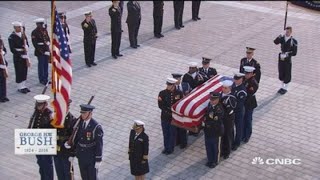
{"x": 285, "y": 18}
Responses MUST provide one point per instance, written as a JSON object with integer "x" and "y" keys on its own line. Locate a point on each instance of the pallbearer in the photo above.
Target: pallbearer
{"x": 206, "y": 71}
{"x": 250, "y": 61}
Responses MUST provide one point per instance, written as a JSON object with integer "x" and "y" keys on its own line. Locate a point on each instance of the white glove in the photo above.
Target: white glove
{"x": 66, "y": 145}
{"x": 47, "y": 53}
{"x": 25, "y": 56}
{"x": 97, "y": 165}
{"x": 3, "y": 53}
{"x": 48, "y": 43}
{"x": 71, "y": 159}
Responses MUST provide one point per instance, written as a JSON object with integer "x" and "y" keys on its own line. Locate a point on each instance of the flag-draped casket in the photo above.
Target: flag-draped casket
{"x": 189, "y": 111}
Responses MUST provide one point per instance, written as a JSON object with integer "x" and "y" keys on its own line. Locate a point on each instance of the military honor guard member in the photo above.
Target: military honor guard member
{"x": 229, "y": 103}
{"x": 178, "y": 7}
{"x": 63, "y": 20}
{"x": 42, "y": 118}
{"x": 206, "y": 71}
{"x": 3, "y": 73}
{"x": 251, "y": 103}
{"x": 213, "y": 129}
{"x": 195, "y": 10}
{"x": 239, "y": 91}
{"x": 18, "y": 43}
{"x": 193, "y": 77}
{"x": 166, "y": 99}
{"x": 289, "y": 48}
{"x": 138, "y": 150}
{"x": 62, "y": 160}
{"x": 133, "y": 21}
{"x": 157, "y": 18}
{"x": 116, "y": 30}
{"x": 88, "y": 143}
{"x": 41, "y": 43}
{"x": 250, "y": 61}
{"x": 90, "y": 35}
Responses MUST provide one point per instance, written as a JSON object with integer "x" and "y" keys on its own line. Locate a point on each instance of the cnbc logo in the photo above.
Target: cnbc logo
{"x": 276, "y": 161}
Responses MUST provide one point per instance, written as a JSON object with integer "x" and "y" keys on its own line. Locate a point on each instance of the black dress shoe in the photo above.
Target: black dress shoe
{"x": 6, "y": 99}
{"x": 177, "y": 27}
{"x": 3, "y": 100}
{"x": 234, "y": 148}
{"x": 208, "y": 163}
{"x": 138, "y": 45}
{"x": 157, "y": 36}
{"x": 169, "y": 152}
{"x": 134, "y": 47}
{"x": 119, "y": 55}
{"x": 115, "y": 57}
{"x": 89, "y": 65}
{"x": 225, "y": 156}
{"x": 182, "y": 146}
{"x": 94, "y": 64}
{"x": 198, "y": 18}
{"x": 161, "y": 35}
{"x": 195, "y": 19}
{"x": 23, "y": 91}
{"x": 182, "y": 26}
{"x": 164, "y": 151}
{"x": 28, "y": 90}
{"x": 282, "y": 91}
{"x": 213, "y": 165}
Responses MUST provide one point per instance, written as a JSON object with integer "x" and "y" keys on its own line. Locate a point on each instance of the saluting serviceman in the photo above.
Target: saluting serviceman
{"x": 41, "y": 43}
{"x": 133, "y": 21}
{"x": 206, "y": 71}
{"x": 178, "y": 7}
{"x": 250, "y": 61}
{"x": 89, "y": 144}
{"x": 3, "y": 73}
{"x": 195, "y": 10}
{"x": 251, "y": 103}
{"x": 166, "y": 99}
{"x": 229, "y": 103}
{"x": 42, "y": 118}
{"x": 157, "y": 18}
{"x": 193, "y": 77}
{"x": 19, "y": 45}
{"x": 138, "y": 150}
{"x": 289, "y": 48}
{"x": 90, "y": 35}
{"x": 63, "y": 20}
{"x": 239, "y": 91}
{"x": 213, "y": 129}
{"x": 116, "y": 30}
{"x": 62, "y": 160}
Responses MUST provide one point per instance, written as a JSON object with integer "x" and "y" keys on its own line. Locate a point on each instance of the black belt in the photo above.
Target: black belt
{"x": 87, "y": 145}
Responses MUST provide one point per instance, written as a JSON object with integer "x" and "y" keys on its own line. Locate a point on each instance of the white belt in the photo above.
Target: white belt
{"x": 19, "y": 49}
{"x": 41, "y": 43}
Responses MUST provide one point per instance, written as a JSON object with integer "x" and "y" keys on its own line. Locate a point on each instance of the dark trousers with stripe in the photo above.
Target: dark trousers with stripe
{"x": 212, "y": 148}
{"x": 62, "y": 165}
{"x": 169, "y": 135}
{"x": 87, "y": 169}
{"x": 45, "y": 166}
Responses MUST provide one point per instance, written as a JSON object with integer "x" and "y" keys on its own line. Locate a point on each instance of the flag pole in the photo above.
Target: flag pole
{"x": 285, "y": 18}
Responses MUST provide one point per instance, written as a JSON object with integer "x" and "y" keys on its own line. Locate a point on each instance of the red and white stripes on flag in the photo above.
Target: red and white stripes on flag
{"x": 189, "y": 111}
{"x": 61, "y": 72}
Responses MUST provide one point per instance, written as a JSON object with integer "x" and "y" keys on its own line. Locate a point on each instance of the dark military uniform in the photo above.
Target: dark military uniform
{"x": 42, "y": 119}
{"x": 89, "y": 40}
{"x": 16, "y": 44}
{"x": 213, "y": 130}
{"x": 166, "y": 99}
{"x": 195, "y": 10}
{"x": 193, "y": 82}
{"x": 229, "y": 103}
{"x": 240, "y": 93}
{"x": 3, "y": 78}
{"x": 178, "y": 7}
{"x": 207, "y": 73}
{"x": 41, "y": 43}
{"x": 182, "y": 138}
{"x": 138, "y": 153}
{"x": 250, "y": 103}
{"x": 133, "y": 21}
{"x": 116, "y": 30}
{"x": 289, "y": 47}
{"x": 157, "y": 18}
{"x": 89, "y": 146}
{"x": 254, "y": 63}
{"x": 61, "y": 160}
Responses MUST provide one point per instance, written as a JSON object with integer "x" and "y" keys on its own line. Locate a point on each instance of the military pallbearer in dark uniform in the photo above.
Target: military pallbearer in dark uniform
{"x": 289, "y": 48}
{"x": 206, "y": 71}
{"x": 193, "y": 77}
{"x": 3, "y": 73}
{"x": 239, "y": 91}
{"x": 41, "y": 43}
{"x": 88, "y": 142}
{"x": 178, "y": 7}
{"x": 42, "y": 118}
{"x": 166, "y": 99}
{"x": 251, "y": 103}
{"x": 213, "y": 129}
{"x": 195, "y": 10}
{"x": 133, "y": 21}
{"x": 138, "y": 150}
{"x": 116, "y": 30}
{"x": 157, "y": 18}
{"x": 229, "y": 103}
{"x": 62, "y": 160}
{"x": 90, "y": 35}
{"x": 250, "y": 61}
{"x": 63, "y": 20}
{"x": 18, "y": 43}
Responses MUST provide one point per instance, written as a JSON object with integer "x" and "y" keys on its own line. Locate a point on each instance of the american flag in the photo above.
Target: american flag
{"x": 61, "y": 72}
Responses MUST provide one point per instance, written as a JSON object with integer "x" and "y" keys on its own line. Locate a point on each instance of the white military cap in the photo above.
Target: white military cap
{"x": 138, "y": 123}
{"x": 248, "y": 69}
{"x": 39, "y": 20}
{"x": 192, "y": 64}
{"x": 227, "y": 83}
{"x": 238, "y": 75}
{"x": 40, "y": 98}
{"x": 87, "y": 13}
{"x": 17, "y": 23}
{"x": 171, "y": 80}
